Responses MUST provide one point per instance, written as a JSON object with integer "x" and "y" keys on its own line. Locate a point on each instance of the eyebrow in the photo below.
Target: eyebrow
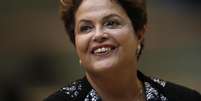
{"x": 84, "y": 21}
{"x": 110, "y": 16}
{"x": 104, "y": 18}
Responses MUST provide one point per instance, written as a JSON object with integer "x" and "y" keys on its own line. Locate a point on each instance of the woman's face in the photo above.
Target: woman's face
{"x": 104, "y": 36}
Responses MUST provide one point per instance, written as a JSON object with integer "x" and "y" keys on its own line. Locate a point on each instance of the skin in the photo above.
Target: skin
{"x": 104, "y": 23}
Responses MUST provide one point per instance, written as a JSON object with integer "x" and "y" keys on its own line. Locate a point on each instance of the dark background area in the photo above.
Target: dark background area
{"x": 37, "y": 58}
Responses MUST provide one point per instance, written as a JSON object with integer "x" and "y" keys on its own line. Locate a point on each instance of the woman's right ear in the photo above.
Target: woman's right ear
{"x": 141, "y": 33}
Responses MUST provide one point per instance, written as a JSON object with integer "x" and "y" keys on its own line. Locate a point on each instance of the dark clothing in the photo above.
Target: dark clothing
{"x": 155, "y": 89}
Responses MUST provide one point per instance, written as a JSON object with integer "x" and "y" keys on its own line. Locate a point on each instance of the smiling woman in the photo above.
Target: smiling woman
{"x": 108, "y": 37}
{"x": 104, "y": 37}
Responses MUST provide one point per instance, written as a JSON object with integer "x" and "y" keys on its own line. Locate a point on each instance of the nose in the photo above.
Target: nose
{"x": 100, "y": 36}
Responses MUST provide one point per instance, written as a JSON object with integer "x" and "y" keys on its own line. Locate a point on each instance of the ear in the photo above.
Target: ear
{"x": 141, "y": 33}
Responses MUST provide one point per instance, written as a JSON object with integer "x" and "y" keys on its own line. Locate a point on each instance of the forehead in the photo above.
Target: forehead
{"x": 97, "y": 3}
{"x": 99, "y": 8}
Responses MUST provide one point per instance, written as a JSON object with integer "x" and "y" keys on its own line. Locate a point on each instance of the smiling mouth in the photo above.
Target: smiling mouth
{"x": 103, "y": 50}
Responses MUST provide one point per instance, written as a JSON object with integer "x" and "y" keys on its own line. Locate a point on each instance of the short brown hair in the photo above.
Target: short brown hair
{"x": 135, "y": 9}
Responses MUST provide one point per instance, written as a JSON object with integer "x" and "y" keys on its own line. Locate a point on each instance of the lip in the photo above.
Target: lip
{"x": 102, "y": 45}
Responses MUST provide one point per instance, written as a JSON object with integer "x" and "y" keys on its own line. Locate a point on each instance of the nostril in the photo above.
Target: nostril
{"x": 100, "y": 38}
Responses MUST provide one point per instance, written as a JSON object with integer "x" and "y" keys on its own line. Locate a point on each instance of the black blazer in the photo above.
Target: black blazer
{"x": 155, "y": 89}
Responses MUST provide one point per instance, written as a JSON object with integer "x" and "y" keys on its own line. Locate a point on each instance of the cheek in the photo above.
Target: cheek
{"x": 125, "y": 35}
{"x": 81, "y": 43}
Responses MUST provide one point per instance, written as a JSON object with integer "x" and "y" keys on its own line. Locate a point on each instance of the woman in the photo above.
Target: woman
{"x": 108, "y": 36}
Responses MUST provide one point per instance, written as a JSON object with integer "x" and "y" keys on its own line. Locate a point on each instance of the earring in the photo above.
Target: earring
{"x": 138, "y": 49}
{"x": 80, "y": 61}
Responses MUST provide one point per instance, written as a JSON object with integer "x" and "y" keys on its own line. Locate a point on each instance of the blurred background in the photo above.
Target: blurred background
{"x": 37, "y": 58}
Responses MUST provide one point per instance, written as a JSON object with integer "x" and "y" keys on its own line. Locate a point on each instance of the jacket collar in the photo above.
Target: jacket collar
{"x": 153, "y": 89}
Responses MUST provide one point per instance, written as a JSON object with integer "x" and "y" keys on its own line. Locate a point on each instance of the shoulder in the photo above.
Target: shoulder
{"x": 75, "y": 91}
{"x": 176, "y": 92}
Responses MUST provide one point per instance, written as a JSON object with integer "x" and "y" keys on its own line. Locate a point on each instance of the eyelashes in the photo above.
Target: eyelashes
{"x": 87, "y": 27}
{"x": 112, "y": 24}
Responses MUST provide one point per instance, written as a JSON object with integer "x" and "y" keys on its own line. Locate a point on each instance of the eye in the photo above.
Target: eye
{"x": 86, "y": 29}
{"x": 112, "y": 24}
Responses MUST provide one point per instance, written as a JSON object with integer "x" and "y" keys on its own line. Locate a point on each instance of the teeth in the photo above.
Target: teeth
{"x": 102, "y": 50}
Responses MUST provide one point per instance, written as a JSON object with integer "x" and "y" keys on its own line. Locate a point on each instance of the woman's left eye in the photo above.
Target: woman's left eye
{"x": 112, "y": 24}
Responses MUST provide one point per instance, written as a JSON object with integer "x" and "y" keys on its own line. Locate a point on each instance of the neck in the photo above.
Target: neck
{"x": 116, "y": 86}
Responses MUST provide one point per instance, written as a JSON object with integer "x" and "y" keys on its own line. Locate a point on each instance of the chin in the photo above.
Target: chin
{"x": 103, "y": 66}
{"x": 105, "y": 63}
